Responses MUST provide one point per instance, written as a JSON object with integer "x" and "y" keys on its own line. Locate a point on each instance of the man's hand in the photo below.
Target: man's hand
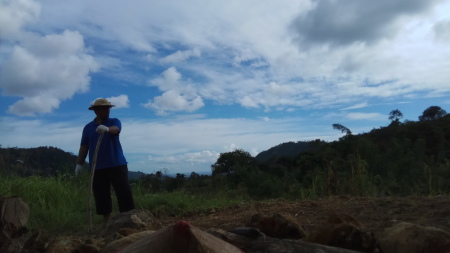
{"x": 102, "y": 129}
{"x": 78, "y": 169}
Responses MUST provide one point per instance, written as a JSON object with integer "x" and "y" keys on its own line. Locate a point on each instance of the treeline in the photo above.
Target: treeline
{"x": 403, "y": 158}
{"x": 42, "y": 161}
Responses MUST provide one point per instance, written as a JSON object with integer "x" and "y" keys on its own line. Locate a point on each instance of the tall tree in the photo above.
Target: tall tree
{"x": 432, "y": 113}
{"x": 343, "y": 129}
{"x": 395, "y": 115}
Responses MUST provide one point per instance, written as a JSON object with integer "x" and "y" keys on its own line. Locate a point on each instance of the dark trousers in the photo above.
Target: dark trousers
{"x": 101, "y": 186}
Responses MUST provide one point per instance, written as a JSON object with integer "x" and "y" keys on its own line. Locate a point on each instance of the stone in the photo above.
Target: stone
{"x": 277, "y": 226}
{"x": 406, "y": 237}
{"x": 123, "y": 242}
{"x": 180, "y": 237}
{"x": 343, "y": 231}
{"x": 253, "y": 241}
{"x": 14, "y": 214}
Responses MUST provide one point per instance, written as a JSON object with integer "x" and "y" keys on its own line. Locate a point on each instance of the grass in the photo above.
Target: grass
{"x": 60, "y": 204}
{"x": 54, "y": 203}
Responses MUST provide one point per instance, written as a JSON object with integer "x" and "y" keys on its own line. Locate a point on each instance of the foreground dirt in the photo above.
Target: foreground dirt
{"x": 375, "y": 214}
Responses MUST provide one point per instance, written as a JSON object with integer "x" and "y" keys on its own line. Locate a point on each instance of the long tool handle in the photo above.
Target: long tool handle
{"x": 94, "y": 163}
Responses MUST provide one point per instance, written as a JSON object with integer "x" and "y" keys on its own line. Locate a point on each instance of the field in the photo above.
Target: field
{"x": 374, "y": 213}
{"x": 58, "y": 206}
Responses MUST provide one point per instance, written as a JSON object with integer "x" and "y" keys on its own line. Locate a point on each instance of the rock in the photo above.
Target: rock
{"x": 343, "y": 231}
{"x": 407, "y": 237}
{"x": 180, "y": 237}
{"x": 277, "y": 226}
{"x": 14, "y": 214}
{"x": 242, "y": 237}
{"x": 87, "y": 248}
{"x": 132, "y": 220}
{"x": 37, "y": 242}
{"x": 62, "y": 245}
{"x": 121, "y": 243}
{"x": 259, "y": 243}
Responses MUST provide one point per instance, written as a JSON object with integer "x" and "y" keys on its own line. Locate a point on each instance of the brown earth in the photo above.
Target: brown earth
{"x": 375, "y": 214}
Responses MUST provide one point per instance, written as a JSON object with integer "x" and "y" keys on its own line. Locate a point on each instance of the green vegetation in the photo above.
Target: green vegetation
{"x": 59, "y": 204}
{"x": 403, "y": 158}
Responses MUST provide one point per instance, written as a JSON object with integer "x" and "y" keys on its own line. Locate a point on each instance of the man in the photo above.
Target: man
{"x": 111, "y": 165}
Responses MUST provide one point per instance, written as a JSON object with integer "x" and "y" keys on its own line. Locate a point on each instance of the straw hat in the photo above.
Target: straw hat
{"x": 100, "y": 103}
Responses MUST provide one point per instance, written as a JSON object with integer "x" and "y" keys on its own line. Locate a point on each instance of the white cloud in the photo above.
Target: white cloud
{"x": 366, "y": 116}
{"x": 357, "y": 106}
{"x": 170, "y": 79}
{"x": 206, "y": 156}
{"x": 175, "y": 102}
{"x": 14, "y": 14}
{"x": 120, "y": 101}
{"x": 28, "y": 106}
{"x": 181, "y": 56}
{"x": 45, "y": 71}
{"x": 177, "y": 96}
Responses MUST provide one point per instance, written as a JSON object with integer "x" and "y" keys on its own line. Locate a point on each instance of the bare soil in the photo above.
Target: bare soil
{"x": 375, "y": 214}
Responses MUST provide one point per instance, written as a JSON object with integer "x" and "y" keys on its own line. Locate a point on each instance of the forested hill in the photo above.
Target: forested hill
{"x": 409, "y": 157}
{"x": 287, "y": 150}
{"x": 44, "y": 161}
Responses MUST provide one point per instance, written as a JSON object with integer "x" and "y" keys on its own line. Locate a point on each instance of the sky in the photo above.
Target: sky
{"x": 193, "y": 79}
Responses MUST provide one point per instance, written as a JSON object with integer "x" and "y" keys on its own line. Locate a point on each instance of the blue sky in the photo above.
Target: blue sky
{"x": 193, "y": 79}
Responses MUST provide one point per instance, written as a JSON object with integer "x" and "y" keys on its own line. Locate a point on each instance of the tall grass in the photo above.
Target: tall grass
{"x": 57, "y": 204}
{"x": 60, "y": 204}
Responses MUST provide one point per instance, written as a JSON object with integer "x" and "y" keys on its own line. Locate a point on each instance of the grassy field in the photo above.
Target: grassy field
{"x": 61, "y": 203}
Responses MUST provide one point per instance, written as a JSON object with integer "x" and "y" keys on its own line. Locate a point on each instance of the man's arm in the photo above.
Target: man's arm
{"x": 82, "y": 154}
{"x": 114, "y": 130}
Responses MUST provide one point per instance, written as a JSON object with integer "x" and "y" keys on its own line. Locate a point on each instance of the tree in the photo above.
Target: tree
{"x": 228, "y": 162}
{"x": 395, "y": 115}
{"x": 432, "y": 113}
{"x": 343, "y": 129}
{"x": 194, "y": 175}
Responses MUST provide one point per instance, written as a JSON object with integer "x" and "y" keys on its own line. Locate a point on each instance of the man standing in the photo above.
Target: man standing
{"x": 111, "y": 165}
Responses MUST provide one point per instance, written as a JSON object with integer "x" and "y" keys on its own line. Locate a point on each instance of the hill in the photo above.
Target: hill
{"x": 43, "y": 161}
{"x": 287, "y": 150}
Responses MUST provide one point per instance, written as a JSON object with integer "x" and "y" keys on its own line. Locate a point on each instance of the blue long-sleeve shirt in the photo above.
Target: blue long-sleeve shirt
{"x": 110, "y": 153}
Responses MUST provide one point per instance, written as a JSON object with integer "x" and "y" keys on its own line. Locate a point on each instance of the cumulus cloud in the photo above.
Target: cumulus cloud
{"x": 172, "y": 101}
{"x": 41, "y": 70}
{"x": 36, "y": 76}
{"x": 14, "y": 14}
{"x": 351, "y": 21}
{"x": 169, "y": 79}
{"x": 177, "y": 96}
{"x": 120, "y": 101}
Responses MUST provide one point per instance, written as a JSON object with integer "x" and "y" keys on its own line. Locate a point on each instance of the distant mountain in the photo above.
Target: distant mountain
{"x": 134, "y": 175}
